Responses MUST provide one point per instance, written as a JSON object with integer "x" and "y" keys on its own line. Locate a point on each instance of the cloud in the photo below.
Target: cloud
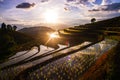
{"x": 92, "y": 8}
{"x": 85, "y": 2}
{"x": 104, "y": 15}
{"x": 83, "y": 5}
{"x": 0, "y": 18}
{"x": 106, "y": 2}
{"x": 70, "y": 0}
{"x": 25, "y": 5}
{"x": 44, "y": 1}
{"x": 110, "y": 7}
{"x": 10, "y": 19}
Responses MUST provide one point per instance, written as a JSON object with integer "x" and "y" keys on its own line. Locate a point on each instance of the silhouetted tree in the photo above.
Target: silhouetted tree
{"x": 14, "y": 28}
{"x": 9, "y": 27}
{"x": 93, "y": 20}
{"x": 3, "y": 26}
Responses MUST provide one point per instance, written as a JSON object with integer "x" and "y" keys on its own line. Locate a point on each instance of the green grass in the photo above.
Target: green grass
{"x": 73, "y": 30}
{"x": 117, "y": 38}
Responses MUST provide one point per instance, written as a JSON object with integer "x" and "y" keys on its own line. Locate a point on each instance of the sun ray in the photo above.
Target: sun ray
{"x": 51, "y": 16}
{"x": 52, "y": 36}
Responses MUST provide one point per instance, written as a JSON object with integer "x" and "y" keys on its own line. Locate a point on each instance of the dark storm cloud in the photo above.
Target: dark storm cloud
{"x": 111, "y": 7}
{"x": 25, "y": 5}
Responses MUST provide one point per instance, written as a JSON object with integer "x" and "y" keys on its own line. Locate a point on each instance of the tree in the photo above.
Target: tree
{"x": 14, "y": 28}
{"x": 3, "y": 26}
{"x": 9, "y": 27}
{"x": 93, "y": 20}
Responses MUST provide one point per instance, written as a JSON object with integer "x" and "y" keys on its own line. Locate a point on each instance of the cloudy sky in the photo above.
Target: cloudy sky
{"x": 68, "y": 12}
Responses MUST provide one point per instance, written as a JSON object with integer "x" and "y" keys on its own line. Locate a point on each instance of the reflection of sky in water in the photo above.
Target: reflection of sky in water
{"x": 18, "y": 59}
{"x": 75, "y": 63}
{"x": 18, "y": 54}
{"x": 25, "y": 54}
{"x": 100, "y": 47}
{"x": 43, "y": 49}
{"x": 72, "y": 64}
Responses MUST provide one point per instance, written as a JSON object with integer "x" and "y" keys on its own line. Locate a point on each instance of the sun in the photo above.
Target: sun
{"x": 53, "y": 35}
{"x": 51, "y": 16}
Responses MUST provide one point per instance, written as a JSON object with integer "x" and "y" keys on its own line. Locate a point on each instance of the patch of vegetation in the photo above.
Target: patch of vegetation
{"x": 117, "y": 38}
{"x": 11, "y": 41}
{"x": 107, "y": 67}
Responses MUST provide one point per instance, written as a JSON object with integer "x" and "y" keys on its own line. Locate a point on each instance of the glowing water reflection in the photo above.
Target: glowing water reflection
{"x": 68, "y": 67}
{"x": 72, "y": 66}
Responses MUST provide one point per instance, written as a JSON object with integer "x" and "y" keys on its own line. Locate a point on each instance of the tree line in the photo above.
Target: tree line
{"x": 8, "y": 27}
{"x": 8, "y": 44}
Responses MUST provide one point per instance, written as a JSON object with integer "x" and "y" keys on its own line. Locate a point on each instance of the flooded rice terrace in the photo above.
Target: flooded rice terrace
{"x": 65, "y": 63}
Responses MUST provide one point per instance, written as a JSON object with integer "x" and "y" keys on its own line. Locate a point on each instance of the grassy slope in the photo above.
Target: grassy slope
{"x": 107, "y": 67}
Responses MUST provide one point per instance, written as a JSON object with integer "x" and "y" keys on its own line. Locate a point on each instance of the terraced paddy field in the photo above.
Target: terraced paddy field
{"x": 74, "y": 35}
{"x": 66, "y": 63}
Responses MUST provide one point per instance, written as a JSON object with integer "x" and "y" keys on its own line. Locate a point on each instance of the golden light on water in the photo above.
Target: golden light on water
{"x": 53, "y": 35}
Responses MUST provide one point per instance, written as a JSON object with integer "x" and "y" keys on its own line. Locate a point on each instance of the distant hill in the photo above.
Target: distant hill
{"x": 40, "y": 35}
{"x": 36, "y": 32}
